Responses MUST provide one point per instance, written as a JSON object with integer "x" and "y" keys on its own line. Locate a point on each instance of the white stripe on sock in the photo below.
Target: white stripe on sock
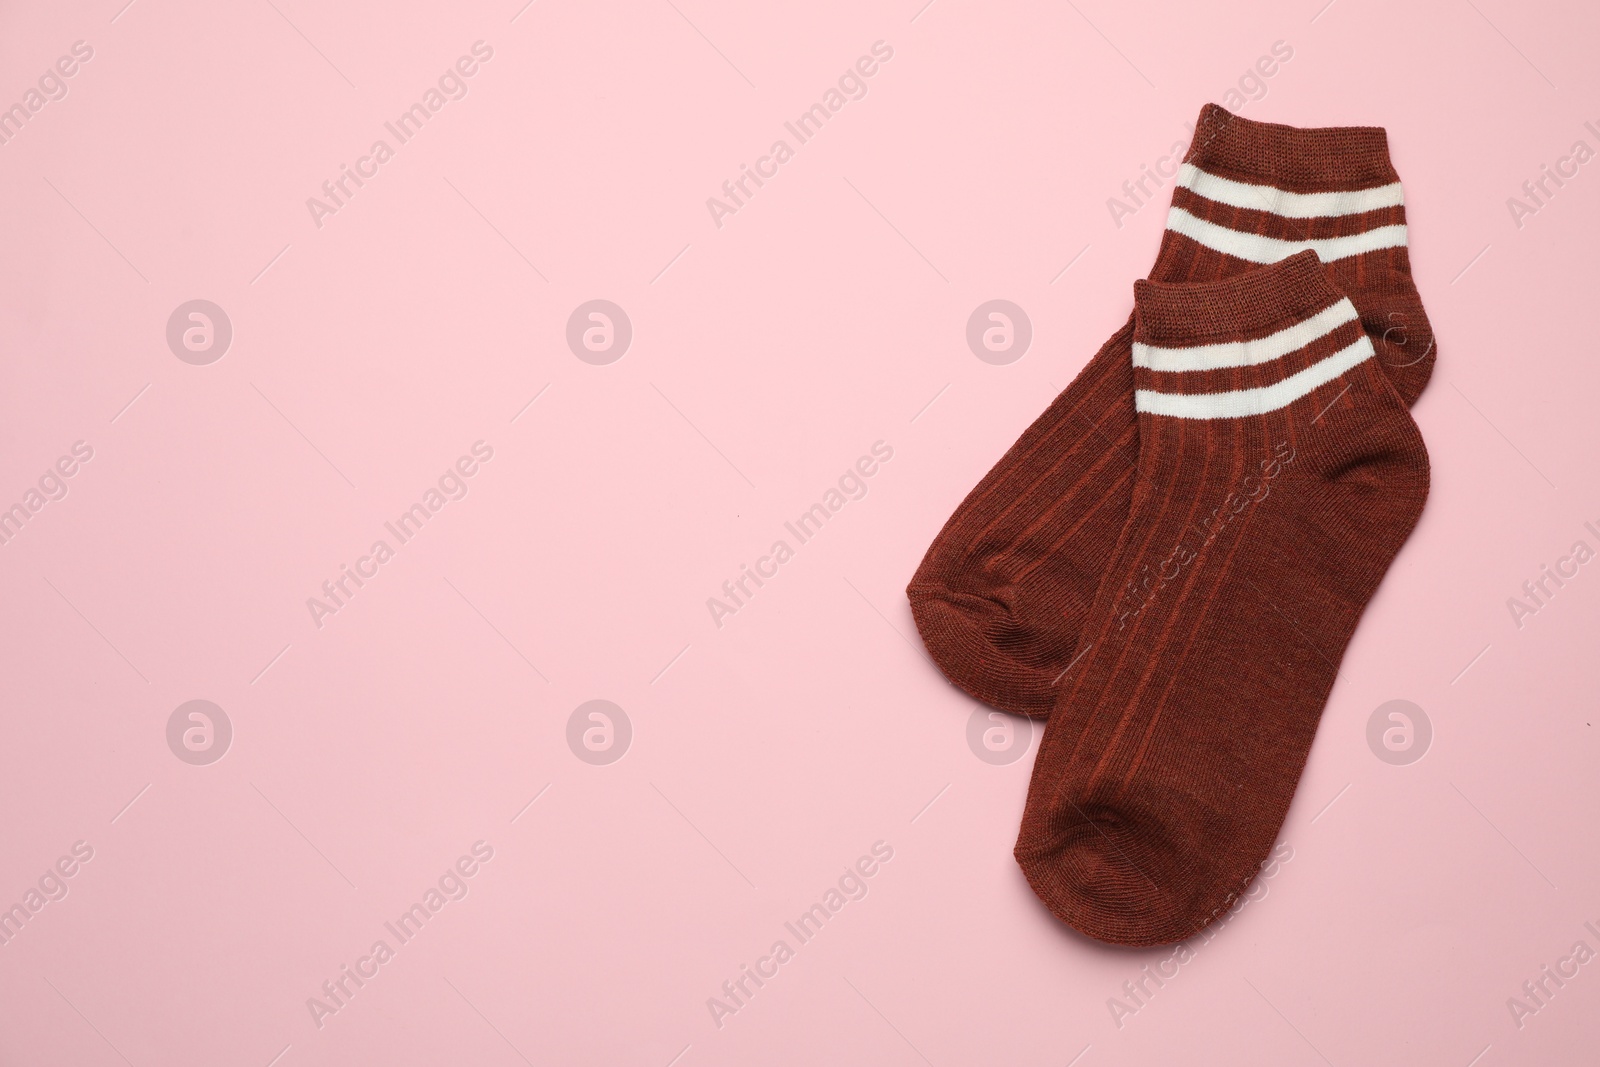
{"x": 1246, "y": 353}
{"x": 1242, "y": 403}
{"x": 1259, "y": 249}
{"x": 1282, "y": 202}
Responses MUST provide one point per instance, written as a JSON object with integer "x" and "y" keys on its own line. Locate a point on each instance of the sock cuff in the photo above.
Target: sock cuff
{"x": 1243, "y": 347}
{"x": 1290, "y": 158}
{"x": 1242, "y": 308}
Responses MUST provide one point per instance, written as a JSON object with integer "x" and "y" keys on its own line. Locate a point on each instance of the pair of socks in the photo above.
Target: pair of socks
{"x": 1169, "y": 562}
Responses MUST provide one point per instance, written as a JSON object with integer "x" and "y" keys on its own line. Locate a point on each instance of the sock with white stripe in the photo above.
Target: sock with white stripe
{"x": 1280, "y": 473}
{"x": 1001, "y": 596}
{"x": 1257, "y": 192}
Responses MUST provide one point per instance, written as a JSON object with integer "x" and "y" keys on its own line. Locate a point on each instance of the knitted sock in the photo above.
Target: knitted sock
{"x": 1001, "y": 596}
{"x": 1279, "y": 474}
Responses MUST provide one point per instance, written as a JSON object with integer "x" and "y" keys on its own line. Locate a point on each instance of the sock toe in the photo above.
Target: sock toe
{"x": 958, "y": 630}
{"x": 1118, "y": 872}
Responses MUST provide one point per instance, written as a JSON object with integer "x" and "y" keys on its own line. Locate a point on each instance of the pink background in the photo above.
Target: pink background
{"x": 768, "y": 354}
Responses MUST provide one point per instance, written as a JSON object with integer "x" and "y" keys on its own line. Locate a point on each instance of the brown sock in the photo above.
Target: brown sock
{"x": 1001, "y": 596}
{"x": 1280, "y": 472}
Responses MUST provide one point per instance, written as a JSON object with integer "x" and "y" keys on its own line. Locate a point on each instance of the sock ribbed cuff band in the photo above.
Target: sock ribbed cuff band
{"x": 1245, "y": 346}
{"x": 1290, "y": 157}
{"x": 1241, "y": 308}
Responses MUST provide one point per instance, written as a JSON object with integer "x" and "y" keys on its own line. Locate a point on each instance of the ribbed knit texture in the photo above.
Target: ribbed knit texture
{"x": 1252, "y": 545}
{"x": 1002, "y": 594}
